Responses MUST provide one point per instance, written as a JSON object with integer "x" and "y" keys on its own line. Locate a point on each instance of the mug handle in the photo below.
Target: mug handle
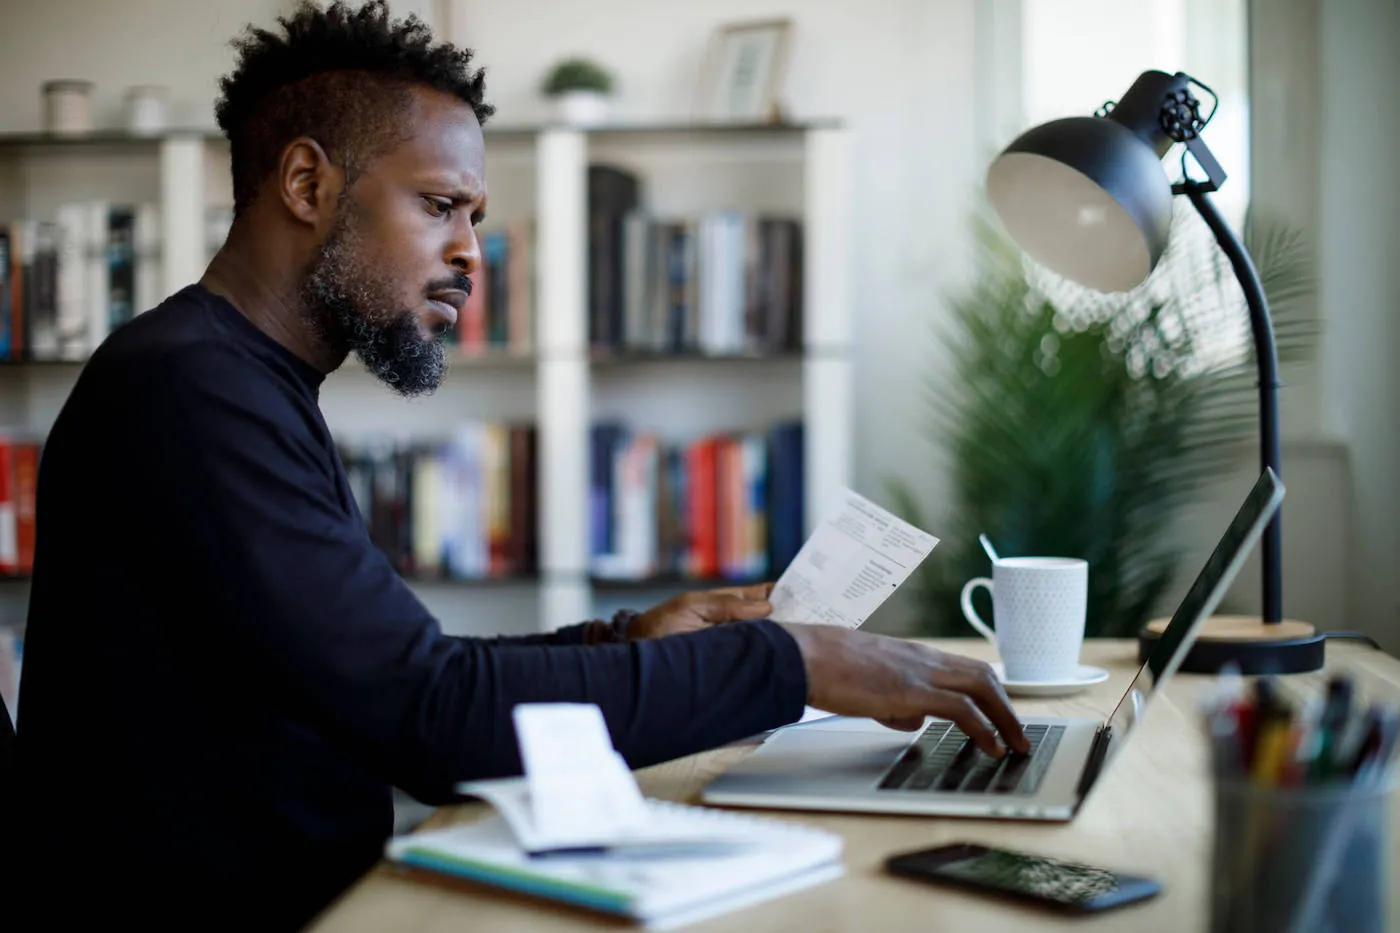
{"x": 970, "y": 613}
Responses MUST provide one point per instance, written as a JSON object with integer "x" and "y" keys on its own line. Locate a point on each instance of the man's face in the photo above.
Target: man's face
{"x": 392, "y": 273}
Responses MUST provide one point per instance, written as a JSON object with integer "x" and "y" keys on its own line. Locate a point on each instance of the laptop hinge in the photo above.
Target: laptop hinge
{"x": 1094, "y": 764}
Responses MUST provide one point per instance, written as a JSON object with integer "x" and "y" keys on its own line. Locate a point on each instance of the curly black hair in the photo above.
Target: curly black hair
{"x": 339, "y": 76}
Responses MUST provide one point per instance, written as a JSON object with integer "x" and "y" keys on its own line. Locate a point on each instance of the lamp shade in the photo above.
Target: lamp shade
{"x": 1087, "y": 197}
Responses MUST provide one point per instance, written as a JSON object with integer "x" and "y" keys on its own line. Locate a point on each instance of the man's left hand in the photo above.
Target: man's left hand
{"x": 691, "y": 612}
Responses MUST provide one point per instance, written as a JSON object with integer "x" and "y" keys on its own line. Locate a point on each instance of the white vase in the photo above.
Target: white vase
{"x": 583, "y": 108}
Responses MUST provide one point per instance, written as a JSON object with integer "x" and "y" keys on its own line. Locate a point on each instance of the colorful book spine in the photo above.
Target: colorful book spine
{"x": 721, "y": 507}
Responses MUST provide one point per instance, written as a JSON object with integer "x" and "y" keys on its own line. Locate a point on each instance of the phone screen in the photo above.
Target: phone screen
{"x": 1065, "y": 884}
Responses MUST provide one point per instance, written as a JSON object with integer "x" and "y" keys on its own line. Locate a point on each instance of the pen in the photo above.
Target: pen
{"x": 1252, "y": 716}
{"x": 1271, "y": 747}
{"x": 1335, "y": 713}
{"x": 1246, "y": 727}
{"x": 1390, "y": 737}
{"x": 1266, "y": 693}
{"x": 1303, "y": 741}
{"x": 695, "y": 848}
{"x": 1377, "y": 742}
{"x": 1226, "y": 737}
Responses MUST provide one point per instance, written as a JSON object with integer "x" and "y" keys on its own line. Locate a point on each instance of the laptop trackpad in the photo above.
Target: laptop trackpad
{"x": 832, "y": 751}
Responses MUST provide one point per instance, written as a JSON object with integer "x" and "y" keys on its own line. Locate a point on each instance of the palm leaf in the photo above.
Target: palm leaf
{"x": 1080, "y": 425}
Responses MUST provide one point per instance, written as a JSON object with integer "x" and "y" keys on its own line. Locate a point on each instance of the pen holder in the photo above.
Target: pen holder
{"x": 1309, "y": 859}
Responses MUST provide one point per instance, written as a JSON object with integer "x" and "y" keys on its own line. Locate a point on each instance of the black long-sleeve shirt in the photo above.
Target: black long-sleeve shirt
{"x": 224, "y": 676}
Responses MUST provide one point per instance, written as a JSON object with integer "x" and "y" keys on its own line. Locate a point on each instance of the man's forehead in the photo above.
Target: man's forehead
{"x": 444, "y": 135}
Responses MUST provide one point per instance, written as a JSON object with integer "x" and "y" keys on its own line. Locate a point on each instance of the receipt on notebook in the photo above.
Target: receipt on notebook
{"x": 856, "y": 558}
{"x": 581, "y": 790}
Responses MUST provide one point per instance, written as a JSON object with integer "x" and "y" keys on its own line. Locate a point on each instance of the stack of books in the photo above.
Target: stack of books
{"x": 499, "y": 315}
{"x": 461, "y": 508}
{"x": 69, "y": 279}
{"x": 722, "y": 283}
{"x": 721, "y": 507}
{"x": 19, "y": 478}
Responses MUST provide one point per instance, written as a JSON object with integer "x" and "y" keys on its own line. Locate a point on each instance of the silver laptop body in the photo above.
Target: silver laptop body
{"x": 843, "y": 764}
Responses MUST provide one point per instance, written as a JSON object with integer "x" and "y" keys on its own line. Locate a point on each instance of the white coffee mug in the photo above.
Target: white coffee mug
{"x": 1038, "y": 604}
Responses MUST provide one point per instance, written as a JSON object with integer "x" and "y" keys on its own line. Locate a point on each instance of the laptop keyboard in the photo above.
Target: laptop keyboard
{"x": 945, "y": 760}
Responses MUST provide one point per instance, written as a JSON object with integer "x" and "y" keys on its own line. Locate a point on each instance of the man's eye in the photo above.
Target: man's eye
{"x": 438, "y": 207}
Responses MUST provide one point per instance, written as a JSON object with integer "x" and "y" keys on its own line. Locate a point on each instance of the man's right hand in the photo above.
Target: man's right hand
{"x": 899, "y": 682}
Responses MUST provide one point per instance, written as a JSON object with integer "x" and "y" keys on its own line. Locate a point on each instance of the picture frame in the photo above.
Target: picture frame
{"x": 744, "y": 72}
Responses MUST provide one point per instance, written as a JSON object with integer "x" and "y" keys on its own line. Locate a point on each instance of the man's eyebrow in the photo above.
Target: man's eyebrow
{"x": 450, "y": 188}
{"x": 463, "y": 195}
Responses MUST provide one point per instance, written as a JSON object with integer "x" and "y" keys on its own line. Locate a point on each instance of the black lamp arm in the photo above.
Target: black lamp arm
{"x": 1266, "y": 357}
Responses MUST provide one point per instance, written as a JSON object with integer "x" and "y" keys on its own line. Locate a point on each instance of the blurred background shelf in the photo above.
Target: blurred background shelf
{"x": 518, "y": 579}
{"x": 692, "y": 340}
{"x": 608, "y": 358}
{"x": 12, "y": 143}
{"x": 669, "y": 582}
{"x": 493, "y": 133}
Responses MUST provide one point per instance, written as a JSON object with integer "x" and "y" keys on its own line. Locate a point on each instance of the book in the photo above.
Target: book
{"x": 576, "y": 829}
{"x": 723, "y": 506}
{"x": 462, "y": 506}
{"x": 715, "y": 283}
{"x": 659, "y": 886}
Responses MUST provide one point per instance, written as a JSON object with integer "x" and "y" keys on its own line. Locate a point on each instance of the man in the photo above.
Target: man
{"x": 224, "y": 677}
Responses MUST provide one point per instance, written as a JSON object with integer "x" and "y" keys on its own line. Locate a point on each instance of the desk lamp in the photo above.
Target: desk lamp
{"x": 1087, "y": 197}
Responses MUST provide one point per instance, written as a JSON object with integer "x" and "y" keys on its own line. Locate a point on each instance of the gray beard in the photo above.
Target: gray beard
{"x": 346, "y": 307}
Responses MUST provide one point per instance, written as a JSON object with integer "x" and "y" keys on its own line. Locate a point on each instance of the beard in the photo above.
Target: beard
{"x": 350, "y": 305}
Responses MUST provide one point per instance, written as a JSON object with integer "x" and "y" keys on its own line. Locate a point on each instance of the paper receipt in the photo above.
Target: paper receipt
{"x": 581, "y": 791}
{"x": 855, "y": 559}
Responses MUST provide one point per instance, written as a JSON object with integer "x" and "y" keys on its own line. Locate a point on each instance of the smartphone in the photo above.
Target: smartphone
{"x": 1067, "y": 886}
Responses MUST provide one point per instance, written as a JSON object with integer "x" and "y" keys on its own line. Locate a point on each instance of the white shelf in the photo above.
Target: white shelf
{"x": 541, "y": 172}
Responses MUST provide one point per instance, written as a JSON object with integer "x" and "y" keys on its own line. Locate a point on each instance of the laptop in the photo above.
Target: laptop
{"x": 843, "y": 764}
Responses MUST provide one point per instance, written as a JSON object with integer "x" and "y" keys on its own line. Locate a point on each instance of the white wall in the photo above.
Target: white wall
{"x": 1081, "y": 53}
{"x": 1285, "y": 88}
{"x": 1325, "y": 132}
{"x": 180, "y": 44}
{"x": 1359, "y": 226}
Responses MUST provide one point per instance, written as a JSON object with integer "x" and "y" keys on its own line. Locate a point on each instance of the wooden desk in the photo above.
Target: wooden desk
{"x": 1149, "y": 814}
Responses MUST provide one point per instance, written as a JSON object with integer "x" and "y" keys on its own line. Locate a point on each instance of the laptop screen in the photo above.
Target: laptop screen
{"x": 1200, "y": 601}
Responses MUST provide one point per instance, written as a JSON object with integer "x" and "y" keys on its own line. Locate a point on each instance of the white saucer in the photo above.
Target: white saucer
{"x": 1084, "y": 676}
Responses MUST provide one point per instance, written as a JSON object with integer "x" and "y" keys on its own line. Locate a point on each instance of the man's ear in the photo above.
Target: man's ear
{"x": 309, "y": 183}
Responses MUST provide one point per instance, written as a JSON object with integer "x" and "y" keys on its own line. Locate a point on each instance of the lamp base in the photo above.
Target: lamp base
{"x": 1255, "y": 647}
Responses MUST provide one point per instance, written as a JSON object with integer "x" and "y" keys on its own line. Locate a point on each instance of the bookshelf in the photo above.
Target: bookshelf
{"x": 564, "y": 382}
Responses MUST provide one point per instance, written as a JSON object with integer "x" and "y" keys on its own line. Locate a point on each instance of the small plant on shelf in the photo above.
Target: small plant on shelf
{"x": 581, "y": 88}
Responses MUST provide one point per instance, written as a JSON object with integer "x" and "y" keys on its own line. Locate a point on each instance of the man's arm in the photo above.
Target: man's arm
{"x": 592, "y": 632}
{"x": 688, "y": 612}
{"x": 309, "y": 602}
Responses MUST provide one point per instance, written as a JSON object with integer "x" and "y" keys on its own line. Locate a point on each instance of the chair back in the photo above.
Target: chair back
{"x": 10, "y": 822}
{"x": 7, "y": 752}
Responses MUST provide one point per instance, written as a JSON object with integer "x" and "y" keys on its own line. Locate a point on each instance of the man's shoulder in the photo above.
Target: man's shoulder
{"x": 184, "y": 343}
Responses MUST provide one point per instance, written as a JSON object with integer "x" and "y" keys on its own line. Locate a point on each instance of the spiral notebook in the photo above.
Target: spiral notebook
{"x": 681, "y": 865}
{"x": 577, "y": 829}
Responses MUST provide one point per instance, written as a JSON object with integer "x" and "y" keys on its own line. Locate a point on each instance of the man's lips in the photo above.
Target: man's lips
{"x": 449, "y": 302}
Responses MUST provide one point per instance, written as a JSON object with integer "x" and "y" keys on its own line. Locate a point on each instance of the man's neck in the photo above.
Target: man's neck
{"x": 268, "y": 300}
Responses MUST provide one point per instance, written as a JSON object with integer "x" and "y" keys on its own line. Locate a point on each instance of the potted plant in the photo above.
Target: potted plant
{"x": 1079, "y": 424}
{"x": 581, "y": 89}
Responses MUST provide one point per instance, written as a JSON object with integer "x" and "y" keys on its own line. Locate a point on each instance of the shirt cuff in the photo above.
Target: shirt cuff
{"x": 789, "y": 671}
{"x": 608, "y": 632}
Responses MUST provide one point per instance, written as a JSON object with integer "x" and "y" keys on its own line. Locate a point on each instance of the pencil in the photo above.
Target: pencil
{"x": 1275, "y": 740}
